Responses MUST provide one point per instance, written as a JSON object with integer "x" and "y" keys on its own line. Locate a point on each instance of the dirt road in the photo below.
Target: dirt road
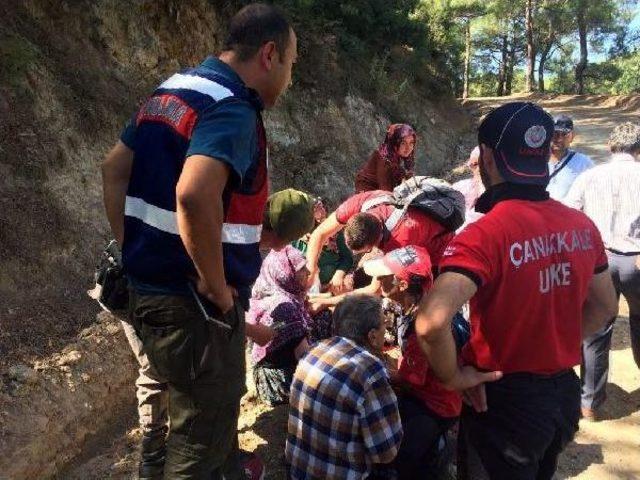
{"x": 609, "y": 449}
{"x": 594, "y": 116}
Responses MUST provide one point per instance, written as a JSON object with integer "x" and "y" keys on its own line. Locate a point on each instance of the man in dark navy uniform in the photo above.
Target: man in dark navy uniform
{"x": 185, "y": 190}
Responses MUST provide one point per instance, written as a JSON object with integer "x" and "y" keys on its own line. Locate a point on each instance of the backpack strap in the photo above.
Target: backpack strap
{"x": 394, "y": 218}
{"x": 374, "y": 202}
{"x": 564, "y": 164}
{"x": 399, "y": 212}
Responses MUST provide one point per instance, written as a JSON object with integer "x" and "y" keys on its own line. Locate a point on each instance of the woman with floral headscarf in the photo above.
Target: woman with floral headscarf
{"x": 278, "y": 302}
{"x": 391, "y": 163}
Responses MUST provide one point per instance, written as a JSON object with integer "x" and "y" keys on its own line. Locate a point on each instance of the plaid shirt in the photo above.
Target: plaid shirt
{"x": 344, "y": 415}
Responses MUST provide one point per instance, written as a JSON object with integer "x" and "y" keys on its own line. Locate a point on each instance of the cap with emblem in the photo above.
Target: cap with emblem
{"x": 520, "y": 134}
{"x": 410, "y": 264}
{"x": 563, "y": 123}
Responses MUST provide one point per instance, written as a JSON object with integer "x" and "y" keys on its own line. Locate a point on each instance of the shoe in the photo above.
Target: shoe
{"x": 252, "y": 466}
{"x": 152, "y": 455}
{"x": 589, "y": 414}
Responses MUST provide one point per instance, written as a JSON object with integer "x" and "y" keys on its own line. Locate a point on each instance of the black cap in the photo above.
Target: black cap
{"x": 563, "y": 123}
{"x": 520, "y": 135}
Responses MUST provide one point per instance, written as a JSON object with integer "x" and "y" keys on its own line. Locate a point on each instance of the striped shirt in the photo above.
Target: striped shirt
{"x": 610, "y": 195}
{"x": 344, "y": 415}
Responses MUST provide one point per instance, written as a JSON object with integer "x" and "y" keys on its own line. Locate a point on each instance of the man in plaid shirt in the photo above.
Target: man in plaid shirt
{"x": 344, "y": 419}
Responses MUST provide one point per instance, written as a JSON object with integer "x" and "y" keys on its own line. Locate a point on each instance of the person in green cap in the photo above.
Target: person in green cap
{"x": 288, "y": 216}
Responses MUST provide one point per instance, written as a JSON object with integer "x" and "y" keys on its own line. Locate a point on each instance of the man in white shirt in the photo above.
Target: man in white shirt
{"x": 610, "y": 195}
{"x": 565, "y": 164}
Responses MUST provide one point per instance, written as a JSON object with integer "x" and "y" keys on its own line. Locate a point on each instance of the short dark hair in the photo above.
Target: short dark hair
{"x": 625, "y": 138}
{"x": 355, "y": 316}
{"x": 416, "y": 286}
{"x": 255, "y": 25}
{"x": 362, "y": 230}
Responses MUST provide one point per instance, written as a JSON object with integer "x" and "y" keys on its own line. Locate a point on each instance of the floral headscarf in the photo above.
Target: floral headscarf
{"x": 389, "y": 148}
{"x": 278, "y": 300}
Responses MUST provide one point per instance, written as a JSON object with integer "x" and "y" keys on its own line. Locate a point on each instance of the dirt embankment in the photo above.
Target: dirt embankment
{"x": 71, "y": 74}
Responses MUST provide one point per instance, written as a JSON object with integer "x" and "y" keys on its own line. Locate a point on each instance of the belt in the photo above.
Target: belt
{"x": 538, "y": 376}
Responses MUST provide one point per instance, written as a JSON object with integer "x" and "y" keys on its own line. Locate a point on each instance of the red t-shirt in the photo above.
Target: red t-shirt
{"x": 414, "y": 370}
{"x": 415, "y": 227}
{"x": 532, "y": 261}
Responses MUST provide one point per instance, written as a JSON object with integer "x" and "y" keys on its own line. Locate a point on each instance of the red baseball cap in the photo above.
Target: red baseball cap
{"x": 405, "y": 263}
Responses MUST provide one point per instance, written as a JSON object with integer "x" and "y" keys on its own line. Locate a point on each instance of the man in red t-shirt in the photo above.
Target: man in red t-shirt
{"x": 537, "y": 278}
{"x": 427, "y": 408}
{"x": 365, "y": 230}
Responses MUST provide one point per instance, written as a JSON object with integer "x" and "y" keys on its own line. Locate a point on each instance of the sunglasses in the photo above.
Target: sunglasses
{"x": 560, "y": 133}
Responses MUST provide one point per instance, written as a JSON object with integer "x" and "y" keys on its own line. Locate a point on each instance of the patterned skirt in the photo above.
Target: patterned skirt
{"x": 273, "y": 384}
{"x": 320, "y": 327}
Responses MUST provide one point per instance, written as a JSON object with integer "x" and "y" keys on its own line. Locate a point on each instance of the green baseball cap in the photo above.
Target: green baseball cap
{"x": 289, "y": 214}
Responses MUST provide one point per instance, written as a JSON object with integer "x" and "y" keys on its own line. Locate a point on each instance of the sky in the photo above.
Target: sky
{"x": 597, "y": 57}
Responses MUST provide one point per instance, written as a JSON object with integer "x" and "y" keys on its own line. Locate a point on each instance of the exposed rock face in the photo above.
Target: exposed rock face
{"x": 71, "y": 74}
{"x": 47, "y": 412}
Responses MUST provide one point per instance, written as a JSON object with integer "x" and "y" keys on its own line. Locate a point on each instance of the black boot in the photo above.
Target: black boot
{"x": 152, "y": 455}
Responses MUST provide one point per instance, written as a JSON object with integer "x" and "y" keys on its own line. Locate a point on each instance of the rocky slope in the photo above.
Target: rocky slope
{"x": 71, "y": 73}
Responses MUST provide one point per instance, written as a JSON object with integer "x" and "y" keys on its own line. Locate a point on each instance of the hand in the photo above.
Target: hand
{"x": 313, "y": 274}
{"x": 336, "y": 285}
{"x": 638, "y": 262}
{"x": 476, "y": 397}
{"x": 224, "y": 299}
{"x": 315, "y": 306}
{"x": 470, "y": 382}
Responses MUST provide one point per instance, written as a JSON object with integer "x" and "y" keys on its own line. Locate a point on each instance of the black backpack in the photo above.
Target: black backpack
{"x": 434, "y": 196}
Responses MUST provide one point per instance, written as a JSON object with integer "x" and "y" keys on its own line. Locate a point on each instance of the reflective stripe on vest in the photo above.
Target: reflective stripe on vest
{"x": 166, "y": 221}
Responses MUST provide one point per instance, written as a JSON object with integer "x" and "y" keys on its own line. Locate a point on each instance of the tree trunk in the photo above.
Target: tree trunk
{"x": 531, "y": 51}
{"x": 502, "y": 73}
{"x": 584, "y": 53}
{"x": 511, "y": 62}
{"x": 544, "y": 54}
{"x": 467, "y": 57}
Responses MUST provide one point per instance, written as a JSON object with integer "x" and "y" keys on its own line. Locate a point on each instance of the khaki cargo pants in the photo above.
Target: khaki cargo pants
{"x": 151, "y": 391}
{"x": 204, "y": 367}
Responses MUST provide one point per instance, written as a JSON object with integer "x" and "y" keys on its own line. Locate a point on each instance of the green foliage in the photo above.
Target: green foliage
{"x": 629, "y": 79}
{"x": 385, "y": 45}
{"x": 17, "y": 56}
{"x": 483, "y": 84}
{"x": 555, "y": 39}
{"x": 560, "y": 67}
{"x": 519, "y": 80}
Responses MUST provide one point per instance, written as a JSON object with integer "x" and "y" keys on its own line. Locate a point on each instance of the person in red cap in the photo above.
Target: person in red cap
{"x": 536, "y": 275}
{"x": 427, "y": 408}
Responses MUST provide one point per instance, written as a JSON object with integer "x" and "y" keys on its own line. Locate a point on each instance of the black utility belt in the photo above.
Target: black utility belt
{"x": 537, "y": 376}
